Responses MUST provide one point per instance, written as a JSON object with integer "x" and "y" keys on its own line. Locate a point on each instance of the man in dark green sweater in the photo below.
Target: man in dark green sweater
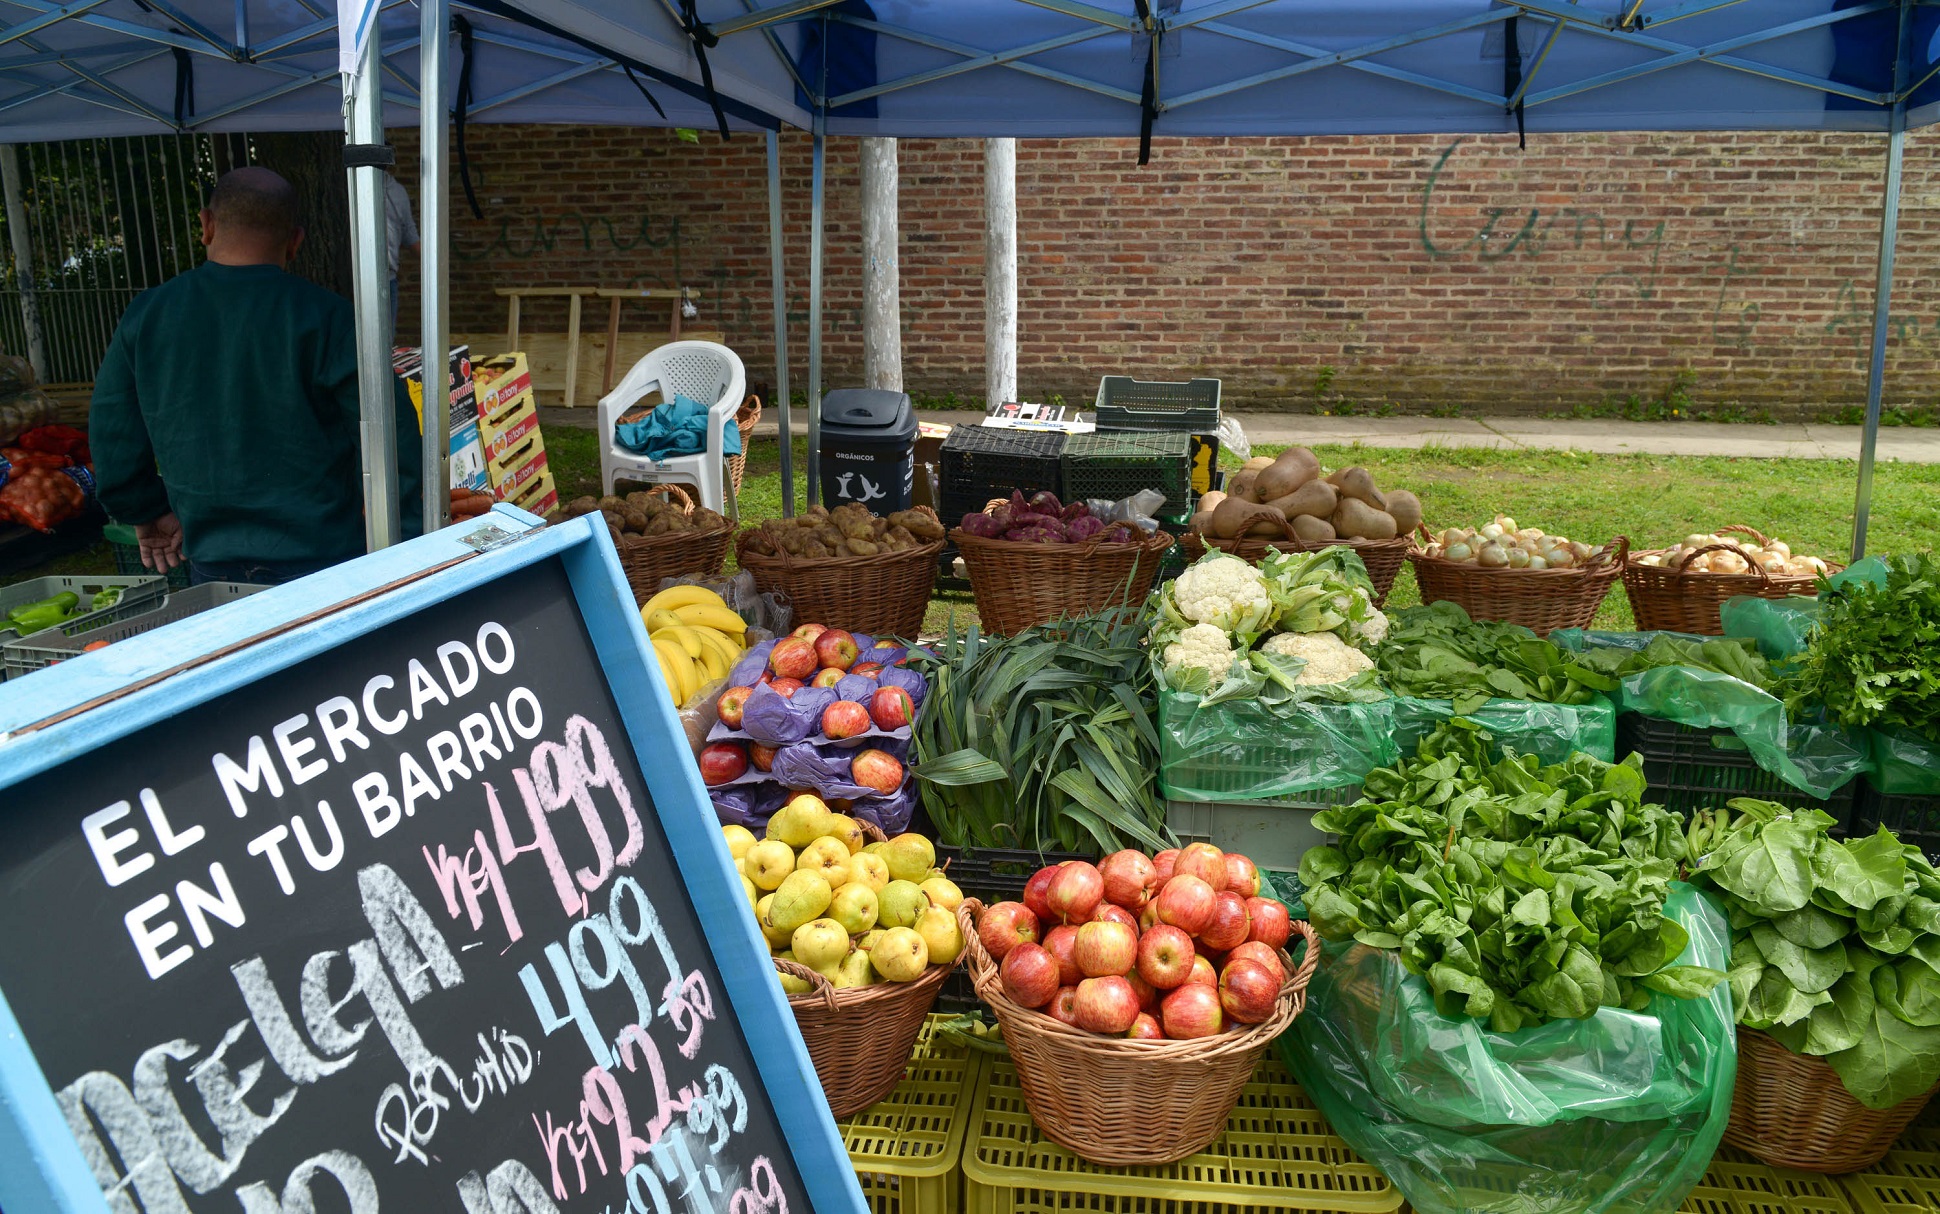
{"x": 225, "y": 416}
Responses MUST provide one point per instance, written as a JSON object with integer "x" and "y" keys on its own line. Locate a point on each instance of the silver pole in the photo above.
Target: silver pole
{"x": 434, "y": 25}
{"x": 778, "y": 270}
{"x": 882, "y": 322}
{"x": 23, "y": 261}
{"x": 370, "y": 291}
{"x": 1889, "y": 231}
{"x": 815, "y": 320}
{"x": 1000, "y": 270}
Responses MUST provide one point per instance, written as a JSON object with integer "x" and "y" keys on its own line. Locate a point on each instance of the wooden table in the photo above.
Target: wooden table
{"x": 615, "y": 297}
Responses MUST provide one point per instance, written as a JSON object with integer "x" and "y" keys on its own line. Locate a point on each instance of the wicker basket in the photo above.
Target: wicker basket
{"x": 1383, "y": 558}
{"x": 648, "y": 559}
{"x": 860, "y": 1039}
{"x": 1541, "y": 600}
{"x": 746, "y": 418}
{"x": 1121, "y": 1102}
{"x": 1019, "y": 585}
{"x": 883, "y": 595}
{"x": 1791, "y": 1111}
{"x": 1672, "y": 600}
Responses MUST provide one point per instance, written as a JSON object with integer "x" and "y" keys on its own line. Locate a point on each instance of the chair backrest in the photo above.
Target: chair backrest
{"x": 699, "y": 370}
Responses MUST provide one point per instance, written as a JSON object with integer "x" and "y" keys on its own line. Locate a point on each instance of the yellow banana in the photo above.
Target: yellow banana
{"x": 677, "y": 596}
{"x": 659, "y": 617}
{"x": 707, "y": 615}
{"x": 686, "y": 678}
{"x": 684, "y": 636}
{"x": 712, "y": 665}
{"x": 670, "y": 676}
{"x": 729, "y": 648}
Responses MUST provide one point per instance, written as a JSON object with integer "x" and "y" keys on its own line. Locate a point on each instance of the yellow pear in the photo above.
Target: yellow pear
{"x": 800, "y": 898}
{"x": 910, "y": 856}
{"x": 868, "y": 939}
{"x": 827, "y": 856}
{"x": 854, "y": 907}
{"x": 753, "y": 891}
{"x": 938, "y": 928}
{"x": 803, "y": 820}
{"x": 820, "y": 944}
{"x": 777, "y": 939}
{"x": 867, "y": 868}
{"x": 789, "y": 983}
{"x": 847, "y": 829}
{"x": 901, "y": 955}
{"x": 899, "y": 903}
{"x": 769, "y": 863}
{"x": 739, "y": 839}
{"x": 943, "y": 892}
{"x": 854, "y": 971}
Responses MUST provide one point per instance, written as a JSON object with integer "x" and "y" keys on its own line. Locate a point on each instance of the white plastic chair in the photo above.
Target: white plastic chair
{"x": 699, "y": 370}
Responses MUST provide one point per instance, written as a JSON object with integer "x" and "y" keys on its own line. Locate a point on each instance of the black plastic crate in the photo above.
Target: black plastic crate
{"x": 998, "y": 874}
{"x": 1688, "y": 769}
{"x": 1125, "y": 403}
{"x": 1915, "y": 819}
{"x": 985, "y": 462}
{"x": 1111, "y": 467}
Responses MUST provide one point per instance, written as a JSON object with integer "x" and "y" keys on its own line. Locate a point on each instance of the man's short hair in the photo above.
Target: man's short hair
{"x": 256, "y": 200}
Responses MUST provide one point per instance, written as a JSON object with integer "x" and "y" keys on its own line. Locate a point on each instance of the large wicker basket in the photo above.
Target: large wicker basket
{"x": 1121, "y": 1102}
{"x": 746, "y": 418}
{"x": 883, "y": 595}
{"x": 860, "y": 1039}
{"x": 1669, "y": 598}
{"x": 647, "y": 559}
{"x": 1019, "y": 585}
{"x": 1791, "y": 1111}
{"x": 1384, "y": 558}
{"x": 1541, "y": 600}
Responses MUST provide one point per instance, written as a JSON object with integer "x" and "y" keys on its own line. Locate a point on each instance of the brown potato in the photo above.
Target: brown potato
{"x": 576, "y": 507}
{"x": 636, "y": 520}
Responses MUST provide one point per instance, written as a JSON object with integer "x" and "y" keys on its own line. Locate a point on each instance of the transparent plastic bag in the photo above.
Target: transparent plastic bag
{"x": 1904, "y": 763}
{"x": 771, "y": 612}
{"x": 1780, "y": 626}
{"x": 1552, "y": 732}
{"x": 1246, "y": 750}
{"x": 1620, "y": 1113}
{"x": 1140, "y": 510}
{"x": 1232, "y": 437}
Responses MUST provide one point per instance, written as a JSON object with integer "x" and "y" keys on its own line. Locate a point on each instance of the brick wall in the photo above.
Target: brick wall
{"x": 1418, "y": 272}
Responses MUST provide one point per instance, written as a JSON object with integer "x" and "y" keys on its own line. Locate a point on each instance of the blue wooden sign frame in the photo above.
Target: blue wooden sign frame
{"x": 41, "y": 1166}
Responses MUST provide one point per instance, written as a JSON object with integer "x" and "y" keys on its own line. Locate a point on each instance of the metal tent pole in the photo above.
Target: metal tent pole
{"x": 434, "y": 262}
{"x": 882, "y": 324}
{"x": 778, "y": 271}
{"x": 23, "y": 261}
{"x": 1000, "y": 270}
{"x": 815, "y": 319}
{"x": 1889, "y": 231}
{"x": 370, "y": 290}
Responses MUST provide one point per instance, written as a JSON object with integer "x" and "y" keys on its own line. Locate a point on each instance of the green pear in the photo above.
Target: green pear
{"x": 869, "y": 869}
{"x": 802, "y": 897}
{"x": 768, "y": 863}
{"x": 776, "y": 938}
{"x": 854, "y": 907}
{"x": 751, "y": 890}
{"x": 910, "y": 857}
{"x": 899, "y": 903}
{"x": 827, "y": 856}
{"x": 849, "y": 831}
{"x": 739, "y": 839}
{"x": 938, "y": 928}
{"x": 802, "y": 821}
{"x": 820, "y": 944}
{"x": 854, "y": 971}
{"x": 901, "y": 955}
{"x": 868, "y": 939}
{"x": 874, "y": 849}
{"x": 789, "y": 983}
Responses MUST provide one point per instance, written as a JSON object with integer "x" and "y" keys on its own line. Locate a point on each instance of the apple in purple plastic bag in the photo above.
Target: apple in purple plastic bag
{"x": 891, "y": 708}
{"x": 845, "y": 719}
{"x": 836, "y": 649}
{"x": 826, "y": 677}
{"x": 876, "y": 769}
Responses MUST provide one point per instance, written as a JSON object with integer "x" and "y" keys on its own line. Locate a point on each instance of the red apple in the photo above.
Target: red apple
{"x": 826, "y": 678}
{"x": 1230, "y": 922}
{"x": 1261, "y": 955}
{"x": 1242, "y": 875}
{"x": 867, "y": 670}
{"x": 1129, "y": 878}
{"x": 1187, "y": 902}
{"x": 1115, "y": 914}
{"x": 1165, "y": 957}
{"x": 1004, "y": 926}
{"x": 1192, "y": 1011}
{"x": 1204, "y": 861}
{"x": 723, "y": 762}
{"x": 733, "y": 702}
{"x": 1145, "y": 1028}
{"x": 1035, "y": 889}
{"x": 1029, "y": 975}
{"x": 1248, "y": 991}
{"x": 1063, "y": 943}
{"x": 845, "y": 719}
{"x": 1064, "y": 1006}
{"x": 1164, "y": 864}
{"x": 1149, "y": 917}
{"x": 808, "y": 632}
{"x": 877, "y": 769}
{"x": 1075, "y": 892}
{"x": 786, "y": 688}
{"x": 792, "y": 658}
{"x": 1271, "y": 922}
{"x": 836, "y": 648}
{"x": 1106, "y": 1005}
{"x": 1106, "y": 949}
{"x": 891, "y": 708}
{"x": 1203, "y": 972}
{"x": 1148, "y": 995}
{"x": 763, "y": 757}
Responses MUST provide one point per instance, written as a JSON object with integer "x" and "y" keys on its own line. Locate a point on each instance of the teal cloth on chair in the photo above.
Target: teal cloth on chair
{"x": 677, "y": 428}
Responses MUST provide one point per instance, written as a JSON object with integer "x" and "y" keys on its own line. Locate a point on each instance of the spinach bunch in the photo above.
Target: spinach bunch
{"x": 1874, "y": 658}
{"x": 1521, "y": 893}
{"x": 1735, "y": 656}
{"x": 1437, "y": 653}
{"x": 1835, "y": 946}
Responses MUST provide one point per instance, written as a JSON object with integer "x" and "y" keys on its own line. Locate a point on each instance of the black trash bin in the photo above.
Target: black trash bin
{"x": 868, "y": 449}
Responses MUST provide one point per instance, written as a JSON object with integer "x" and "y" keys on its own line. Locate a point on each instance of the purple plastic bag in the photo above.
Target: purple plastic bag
{"x": 886, "y": 655}
{"x": 857, "y": 687}
{"x": 909, "y": 680}
{"x": 734, "y": 806}
{"x": 826, "y": 773}
{"x": 772, "y": 719}
{"x": 889, "y": 814}
{"x": 747, "y": 671}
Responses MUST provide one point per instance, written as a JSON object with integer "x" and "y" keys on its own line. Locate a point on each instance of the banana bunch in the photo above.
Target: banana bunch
{"x": 696, "y": 635}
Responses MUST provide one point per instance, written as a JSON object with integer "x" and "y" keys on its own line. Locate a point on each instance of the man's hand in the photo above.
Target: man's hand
{"x": 161, "y": 543}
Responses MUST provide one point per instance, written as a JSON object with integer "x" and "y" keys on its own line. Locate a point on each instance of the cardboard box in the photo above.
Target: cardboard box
{"x": 507, "y": 430}
{"x": 467, "y": 458}
{"x": 499, "y": 380}
{"x": 466, "y": 455}
{"x": 509, "y": 458}
{"x": 512, "y": 485}
{"x": 538, "y": 495}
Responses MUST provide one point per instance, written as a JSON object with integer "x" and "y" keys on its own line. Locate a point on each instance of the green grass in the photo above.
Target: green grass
{"x": 1655, "y": 500}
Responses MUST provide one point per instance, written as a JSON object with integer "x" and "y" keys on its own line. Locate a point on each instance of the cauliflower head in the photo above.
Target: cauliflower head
{"x": 1223, "y": 591}
{"x": 1201, "y": 648}
{"x": 1329, "y": 659}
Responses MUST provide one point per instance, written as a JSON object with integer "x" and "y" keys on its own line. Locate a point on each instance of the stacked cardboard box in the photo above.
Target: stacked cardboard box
{"x": 466, "y": 450}
{"x": 508, "y": 428}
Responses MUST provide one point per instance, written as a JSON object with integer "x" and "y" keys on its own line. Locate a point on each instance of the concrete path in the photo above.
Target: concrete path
{"x": 1789, "y": 441}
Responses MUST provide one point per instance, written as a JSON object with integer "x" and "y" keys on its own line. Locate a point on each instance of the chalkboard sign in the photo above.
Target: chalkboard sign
{"x": 403, "y": 926}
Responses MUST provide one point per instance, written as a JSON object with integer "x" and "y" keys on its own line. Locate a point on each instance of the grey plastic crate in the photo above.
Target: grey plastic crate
{"x": 59, "y": 644}
{"x": 1125, "y": 403}
{"x": 138, "y": 594}
{"x": 1271, "y": 835}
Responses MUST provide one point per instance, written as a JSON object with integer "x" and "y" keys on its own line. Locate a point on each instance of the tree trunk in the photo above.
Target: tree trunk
{"x": 313, "y": 162}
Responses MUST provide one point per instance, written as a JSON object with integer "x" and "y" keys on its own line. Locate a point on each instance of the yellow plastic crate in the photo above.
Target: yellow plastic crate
{"x": 1277, "y": 1154}
{"x": 906, "y": 1148}
{"x": 1907, "y": 1181}
{"x": 1737, "y": 1183}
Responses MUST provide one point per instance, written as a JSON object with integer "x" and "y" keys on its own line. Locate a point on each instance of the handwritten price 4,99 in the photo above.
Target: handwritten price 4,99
{"x": 763, "y": 1193}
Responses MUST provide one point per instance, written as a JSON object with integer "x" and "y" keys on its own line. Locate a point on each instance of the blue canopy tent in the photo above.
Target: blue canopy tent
{"x": 1067, "y": 68}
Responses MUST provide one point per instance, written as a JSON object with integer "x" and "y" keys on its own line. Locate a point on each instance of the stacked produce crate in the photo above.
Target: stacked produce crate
{"x": 508, "y": 426}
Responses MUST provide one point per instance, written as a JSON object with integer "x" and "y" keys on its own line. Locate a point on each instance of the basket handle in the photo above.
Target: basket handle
{"x": 821, "y": 987}
{"x": 1764, "y": 541}
{"x": 871, "y": 831}
{"x": 1298, "y": 976}
{"x": 983, "y": 971}
{"x": 749, "y": 414}
{"x": 1683, "y": 563}
{"x": 675, "y": 494}
{"x": 1617, "y": 556}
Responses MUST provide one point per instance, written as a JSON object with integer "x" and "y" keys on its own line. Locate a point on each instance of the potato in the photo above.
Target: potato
{"x": 1294, "y": 467}
{"x": 856, "y": 547}
{"x": 1357, "y": 483}
{"x": 614, "y": 519}
{"x": 636, "y": 520}
{"x": 1311, "y": 529}
{"x": 1355, "y": 519}
{"x": 1316, "y": 498}
{"x": 1406, "y": 509}
{"x": 612, "y": 502}
{"x": 1241, "y": 486}
{"x": 1236, "y": 517}
{"x": 581, "y": 505}
{"x": 761, "y": 542}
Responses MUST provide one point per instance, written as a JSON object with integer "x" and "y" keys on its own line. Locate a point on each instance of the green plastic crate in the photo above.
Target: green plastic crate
{"x": 906, "y": 1149}
{"x": 1907, "y": 1181}
{"x": 1111, "y": 467}
{"x": 1272, "y": 834}
{"x": 1737, "y": 1183}
{"x": 54, "y": 645}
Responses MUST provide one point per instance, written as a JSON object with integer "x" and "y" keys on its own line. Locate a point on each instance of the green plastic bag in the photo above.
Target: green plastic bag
{"x": 1780, "y": 626}
{"x": 1247, "y": 750}
{"x": 1904, "y": 763}
{"x": 1617, "y": 1114}
{"x": 1814, "y": 757}
{"x": 1552, "y": 732}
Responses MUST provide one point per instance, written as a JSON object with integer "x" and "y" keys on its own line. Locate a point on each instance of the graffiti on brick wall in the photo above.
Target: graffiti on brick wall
{"x": 520, "y": 236}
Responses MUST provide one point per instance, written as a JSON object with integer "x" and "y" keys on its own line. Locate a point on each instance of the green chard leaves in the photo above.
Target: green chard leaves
{"x": 1437, "y": 653}
{"x": 1835, "y": 950}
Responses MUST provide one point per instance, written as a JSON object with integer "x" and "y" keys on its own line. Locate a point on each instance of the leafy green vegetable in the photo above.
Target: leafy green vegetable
{"x": 1437, "y": 653}
{"x": 1834, "y": 949}
{"x": 1522, "y": 893}
{"x": 1735, "y": 656}
{"x": 1874, "y": 657}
